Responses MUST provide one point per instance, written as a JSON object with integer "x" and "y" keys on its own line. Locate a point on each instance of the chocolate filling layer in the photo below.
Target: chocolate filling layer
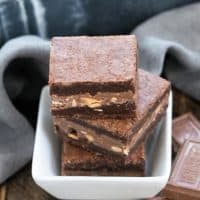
{"x": 105, "y": 111}
{"x": 91, "y": 87}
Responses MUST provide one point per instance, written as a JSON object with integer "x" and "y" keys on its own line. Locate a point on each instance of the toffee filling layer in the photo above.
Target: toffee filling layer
{"x": 96, "y": 101}
{"x": 101, "y": 104}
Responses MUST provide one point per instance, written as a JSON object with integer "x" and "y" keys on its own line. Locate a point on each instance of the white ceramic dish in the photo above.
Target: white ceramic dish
{"x": 46, "y": 165}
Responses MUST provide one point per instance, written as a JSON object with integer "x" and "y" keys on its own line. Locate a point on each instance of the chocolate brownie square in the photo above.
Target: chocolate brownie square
{"x": 94, "y": 77}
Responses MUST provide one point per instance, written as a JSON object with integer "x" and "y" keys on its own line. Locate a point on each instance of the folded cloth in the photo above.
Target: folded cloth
{"x": 16, "y": 134}
{"x": 169, "y": 43}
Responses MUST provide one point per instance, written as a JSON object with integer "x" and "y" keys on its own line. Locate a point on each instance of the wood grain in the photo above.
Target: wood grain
{"x": 183, "y": 104}
{"x": 22, "y": 187}
{"x": 2, "y": 192}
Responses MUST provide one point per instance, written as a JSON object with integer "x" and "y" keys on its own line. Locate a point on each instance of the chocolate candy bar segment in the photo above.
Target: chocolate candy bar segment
{"x": 184, "y": 182}
{"x": 185, "y": 127}
{"x": 94, "y": 77}
{"x": 76, "y": 158}
{"x": 116, "y": 136}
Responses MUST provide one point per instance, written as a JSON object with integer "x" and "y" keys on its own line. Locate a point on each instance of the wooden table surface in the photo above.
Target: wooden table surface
{"x": 22, "y": 187}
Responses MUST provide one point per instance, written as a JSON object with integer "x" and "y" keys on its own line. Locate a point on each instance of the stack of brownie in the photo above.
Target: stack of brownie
{"x": 103, "y": 108}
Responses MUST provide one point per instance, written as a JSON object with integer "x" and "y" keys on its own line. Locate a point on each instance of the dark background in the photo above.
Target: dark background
{"x": 48, "y": 18}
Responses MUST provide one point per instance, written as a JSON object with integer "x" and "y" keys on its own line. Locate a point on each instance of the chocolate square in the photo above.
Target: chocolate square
{"x": 185, "y": 127}
{"x": 184, "y": 182}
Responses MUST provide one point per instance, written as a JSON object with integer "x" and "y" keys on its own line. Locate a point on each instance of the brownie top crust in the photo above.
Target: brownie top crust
{"x": 152, "y": 90}
{"x": 101, "y": 59}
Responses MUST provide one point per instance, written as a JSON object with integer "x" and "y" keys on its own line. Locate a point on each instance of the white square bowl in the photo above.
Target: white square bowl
{"x": 46, "y": 165}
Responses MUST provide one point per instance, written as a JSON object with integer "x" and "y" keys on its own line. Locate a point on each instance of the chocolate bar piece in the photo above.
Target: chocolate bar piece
{"x": 94, "y": 77}
{"x": 185, "y": 127}
{"x": 78, "y": 162}
{"x": 75, "y": 158}
{"x": 117, "y": 136}
{"x": 184, "y": 182}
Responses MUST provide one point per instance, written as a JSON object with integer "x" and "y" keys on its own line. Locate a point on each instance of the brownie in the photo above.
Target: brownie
{"x": 94, "y": 77}
{"x": 78, "y": 162}
{"x": 76, "y": 158}
{"x": 120, "y": 136}
{"x": 184, "y": 182}
{"x": 185, "y": 127}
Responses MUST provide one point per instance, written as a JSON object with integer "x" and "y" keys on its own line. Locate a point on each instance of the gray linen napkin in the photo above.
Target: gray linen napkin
{"x": 170, "y": 43}
{"x": 16, "y": 134}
